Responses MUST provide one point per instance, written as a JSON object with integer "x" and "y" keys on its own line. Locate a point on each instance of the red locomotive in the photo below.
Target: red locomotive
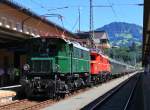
{"x": 100, "y": 67}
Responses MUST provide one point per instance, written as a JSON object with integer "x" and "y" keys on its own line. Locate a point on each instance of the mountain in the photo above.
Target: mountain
{"x": 123, "y": 34}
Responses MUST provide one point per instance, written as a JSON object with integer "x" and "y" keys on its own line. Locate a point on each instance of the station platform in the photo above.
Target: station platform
{"x": 80, "y": 100}
{"x": 6, "y": 96}
{"x": 10, "y": 87}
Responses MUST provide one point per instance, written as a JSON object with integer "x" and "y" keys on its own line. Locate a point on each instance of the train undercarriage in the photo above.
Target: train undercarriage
{"x": 55, "y": 87}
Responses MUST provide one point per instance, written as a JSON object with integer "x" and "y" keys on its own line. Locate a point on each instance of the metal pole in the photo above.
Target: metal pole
{"x": 91, "y": 14}
{"x": 79, "y": 18}
{"x": 91, "y": 23}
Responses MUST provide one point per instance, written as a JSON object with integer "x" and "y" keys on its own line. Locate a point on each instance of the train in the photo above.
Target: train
{"x": 56, "y": 67}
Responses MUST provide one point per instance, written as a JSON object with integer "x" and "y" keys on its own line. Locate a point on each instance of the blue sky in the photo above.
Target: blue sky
{"x": 123, "y": 11}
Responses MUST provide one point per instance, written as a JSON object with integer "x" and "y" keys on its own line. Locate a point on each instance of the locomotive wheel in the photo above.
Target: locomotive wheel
{"x": 51, "y": 90}
{"x": 28, "y": 91}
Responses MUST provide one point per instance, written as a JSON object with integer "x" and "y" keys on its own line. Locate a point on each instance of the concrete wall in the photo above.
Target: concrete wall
{"x": 6, "y": 58}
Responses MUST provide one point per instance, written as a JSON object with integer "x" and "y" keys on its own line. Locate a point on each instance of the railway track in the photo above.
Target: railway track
{"x": 26, "y": 104}
{"x": 118, "y": 98}
{"x": 18, "y": 105}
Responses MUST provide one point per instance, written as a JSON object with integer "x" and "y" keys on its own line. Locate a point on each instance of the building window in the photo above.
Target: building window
{"x": 18, "y": 27}
{"x": 41, "y": 33}
{"x": 29, "y": 30}
{"x": 0, "y": 21}
{"x": 24, "y": 28}
{"x": 35, "y": 32}
{"x": 3, "y": 21}
{"x": 9, "y": 24}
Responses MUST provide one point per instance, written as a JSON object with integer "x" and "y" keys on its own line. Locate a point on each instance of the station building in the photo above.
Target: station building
{"x": 100, "y": 39}
{"x": 18, "y": 23}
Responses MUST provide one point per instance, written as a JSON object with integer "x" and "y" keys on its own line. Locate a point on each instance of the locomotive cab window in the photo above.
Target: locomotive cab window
{"x": 52, "y": 49}
{"x": 93, "y": 57}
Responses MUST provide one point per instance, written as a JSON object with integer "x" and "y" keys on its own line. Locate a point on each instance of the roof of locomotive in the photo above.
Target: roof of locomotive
{"x": 77, "y": 45}
{"x": 47, "y": 38}
{"x": 117, "y": 62}
{"x": 55, "y": 38}
{"x": 98, "y": 52}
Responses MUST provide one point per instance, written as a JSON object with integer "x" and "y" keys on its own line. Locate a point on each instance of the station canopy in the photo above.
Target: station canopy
{"x": 146, "y": 33}
{"x": 10, "y": 38}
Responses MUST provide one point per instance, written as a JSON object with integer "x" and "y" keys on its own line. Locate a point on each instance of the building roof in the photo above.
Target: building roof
{"x": 98, "y": 34}
{"x": 33, "y": 14}
{"x": 83, "y": 35}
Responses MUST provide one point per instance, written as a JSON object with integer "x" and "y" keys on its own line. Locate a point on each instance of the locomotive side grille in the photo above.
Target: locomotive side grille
{"x": 43, "y": 66}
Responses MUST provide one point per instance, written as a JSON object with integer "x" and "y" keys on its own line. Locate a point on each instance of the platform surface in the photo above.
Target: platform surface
{"x": 10, "y": 87}
{"x": 6, "y": 93}
{"x": 6, "y": 96}
{"x": 79, "y": 101}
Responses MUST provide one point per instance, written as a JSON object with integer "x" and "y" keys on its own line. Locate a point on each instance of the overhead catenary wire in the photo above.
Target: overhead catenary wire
{"x": 75, "y": 24}
{"x": 114, "y": 12}
{"x": 49, "y": 9}
{"x": 94, "y": 5}
{"x": 41, "y": 6}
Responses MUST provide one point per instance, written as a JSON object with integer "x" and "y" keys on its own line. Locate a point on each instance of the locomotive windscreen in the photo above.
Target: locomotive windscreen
{"x": 43, "y": 46}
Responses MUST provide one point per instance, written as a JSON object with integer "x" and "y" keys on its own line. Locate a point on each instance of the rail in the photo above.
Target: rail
{"x": 131, "y": 95}
{"x": 100, "y": 101}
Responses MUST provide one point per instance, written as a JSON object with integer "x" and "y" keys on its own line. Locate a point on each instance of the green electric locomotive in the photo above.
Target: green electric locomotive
{"x": 55, "y": 67}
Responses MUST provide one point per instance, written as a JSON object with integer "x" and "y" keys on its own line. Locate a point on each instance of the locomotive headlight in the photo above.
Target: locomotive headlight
{"x": 57, "y": 68}
{"x": 26, "y": 67}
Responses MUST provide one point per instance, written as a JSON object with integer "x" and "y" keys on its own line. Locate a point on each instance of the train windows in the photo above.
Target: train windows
{"x": 76, "y": 52}
{"x": 93, "y": 57}
{"x": 35, "y": 48}
{"x": 52, "y": 49}
{"x": 82, "y": 54}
